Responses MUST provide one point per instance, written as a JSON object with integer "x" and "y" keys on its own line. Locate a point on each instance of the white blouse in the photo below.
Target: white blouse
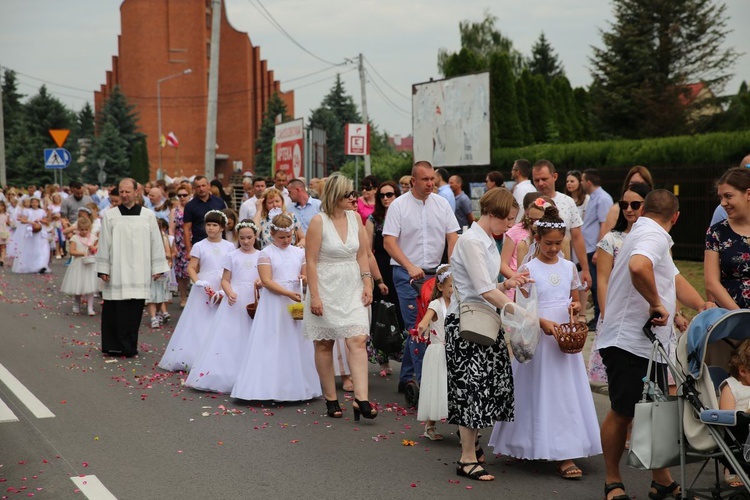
{"x": 475, "y": 263}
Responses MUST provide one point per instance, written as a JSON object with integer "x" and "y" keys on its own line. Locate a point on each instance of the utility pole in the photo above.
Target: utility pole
{"x": 364, "y": 108}
{"x": 3, "y": 177}
{"x": 213, "y": 91}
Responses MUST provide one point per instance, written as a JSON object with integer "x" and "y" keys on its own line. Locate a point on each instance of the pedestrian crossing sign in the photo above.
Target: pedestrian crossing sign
{"x": 56, "y": 158}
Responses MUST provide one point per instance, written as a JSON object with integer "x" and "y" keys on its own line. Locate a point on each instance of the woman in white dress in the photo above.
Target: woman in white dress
{"x": 205, "y": 269}
{"x": 218, "y": 366}
{"x": 33, "y": 246}
{"x": 279, "y": 363}
{"x": 17, "y": 214}
{"x": 340, "y": 289}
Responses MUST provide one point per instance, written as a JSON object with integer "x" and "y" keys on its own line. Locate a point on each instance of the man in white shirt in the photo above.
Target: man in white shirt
{"x": 544, "y": 175}
{"x": 279, "y": 182}
{"x": 417, "y": 226}
{"x": 644, "y": 284}
{"x": 304, "y": 207}
{"x": 521, "y": 174}
{"x": 247, "y": 189}
{"x": 248, "y": 207}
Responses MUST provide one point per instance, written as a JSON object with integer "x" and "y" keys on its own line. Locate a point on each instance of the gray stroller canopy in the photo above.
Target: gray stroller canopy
{"x": 711, "y": 326}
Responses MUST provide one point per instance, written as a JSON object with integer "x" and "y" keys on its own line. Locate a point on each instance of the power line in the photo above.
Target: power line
{"x": 386, "y": 81}
{"x": 269, "y": 17}
{"x": 51, "y": 83}
{"x": 387, "y": 99}
{"x": 55, "y": 93}
{"x": 322, "y": 80}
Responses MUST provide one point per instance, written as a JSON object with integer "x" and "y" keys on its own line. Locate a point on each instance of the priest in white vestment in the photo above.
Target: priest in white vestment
{"x": 130, "y": 256}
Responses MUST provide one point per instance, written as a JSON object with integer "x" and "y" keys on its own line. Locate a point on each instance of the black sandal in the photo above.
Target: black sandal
{"x": 365, "y": 409}
{"x": 671, "y": 491}
{"x": 610, "y": 487}
{"x": 333, "y": 409}
{"x": 480, "y": 453}
{"x": 475, "y": 473}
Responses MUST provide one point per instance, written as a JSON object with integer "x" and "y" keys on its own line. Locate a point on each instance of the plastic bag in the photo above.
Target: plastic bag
{"x": 385, "y": 331}
{"x": 521, "y": 323}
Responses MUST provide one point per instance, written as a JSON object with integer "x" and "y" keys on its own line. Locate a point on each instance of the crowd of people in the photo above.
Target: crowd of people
{"x": 276, "y": 296}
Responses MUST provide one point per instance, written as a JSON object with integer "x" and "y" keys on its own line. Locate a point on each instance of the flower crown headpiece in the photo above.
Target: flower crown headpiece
{"x": 277, "y": 211}
{"x": 223, "y": 215}
{"x": 249, "y": 224}
{"x": 542, "y": 203}
{"x": 552, "y": 225}
{"x": 85, "y": 209}
{"x": 443, "y": 272}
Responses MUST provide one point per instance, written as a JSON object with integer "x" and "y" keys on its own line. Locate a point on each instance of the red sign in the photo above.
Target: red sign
{"x": 357, "y": 139}
{"x": 289, "y": 148}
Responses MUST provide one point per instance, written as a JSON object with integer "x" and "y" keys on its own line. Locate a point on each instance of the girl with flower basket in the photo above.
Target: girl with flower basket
{"x": 205, "y": 269}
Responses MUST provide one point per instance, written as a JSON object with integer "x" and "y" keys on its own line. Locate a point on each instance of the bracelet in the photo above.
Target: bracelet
{"x": 378, "y": 282}
{"x": 366, "y": 275}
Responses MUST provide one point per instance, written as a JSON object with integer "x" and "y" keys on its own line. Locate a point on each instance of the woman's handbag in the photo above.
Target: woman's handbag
{"x": 385, "y": 331}
{"x": 253, "y": 307}
{"x": 478, "y": 322}
{"x": 655, "y": 440}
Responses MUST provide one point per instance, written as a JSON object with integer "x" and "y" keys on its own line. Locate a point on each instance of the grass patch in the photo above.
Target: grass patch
{"x": 693, "y": 272}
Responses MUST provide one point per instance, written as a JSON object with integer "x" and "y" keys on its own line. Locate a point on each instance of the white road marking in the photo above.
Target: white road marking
{"x": 92, "y": 488}
{"x": 27, "y": 398}
{"x": 6, "y": 414}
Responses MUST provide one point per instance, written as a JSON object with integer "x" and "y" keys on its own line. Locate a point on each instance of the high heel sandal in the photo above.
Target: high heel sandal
{"x": 365, "y": 409}
{"x": 333, "y": 409}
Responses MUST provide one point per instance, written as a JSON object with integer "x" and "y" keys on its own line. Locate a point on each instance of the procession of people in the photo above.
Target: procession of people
{"x": 276, "y": 303}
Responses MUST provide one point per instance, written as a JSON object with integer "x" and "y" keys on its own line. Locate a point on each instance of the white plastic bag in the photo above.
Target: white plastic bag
{"x": 521, "y": 323}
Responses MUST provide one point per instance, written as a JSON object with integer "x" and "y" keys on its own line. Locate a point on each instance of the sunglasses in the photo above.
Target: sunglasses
{"x": 351, "y": 194}
{"x": 182, "y": 196}
{"x": 634, "y": 205}
{"x": 382, "y": 196}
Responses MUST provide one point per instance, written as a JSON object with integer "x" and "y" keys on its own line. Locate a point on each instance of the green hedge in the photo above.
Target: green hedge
{"x": 720, "y": 147}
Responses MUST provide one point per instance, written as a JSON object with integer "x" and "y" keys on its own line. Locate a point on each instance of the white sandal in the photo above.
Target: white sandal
{"x": 431, "y": 434}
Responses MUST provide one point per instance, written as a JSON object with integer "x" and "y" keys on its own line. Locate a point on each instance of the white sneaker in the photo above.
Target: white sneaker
{"x": 76, "y": 309}
{"x": 155, "y": 323}
{"x": 91, "y": 312}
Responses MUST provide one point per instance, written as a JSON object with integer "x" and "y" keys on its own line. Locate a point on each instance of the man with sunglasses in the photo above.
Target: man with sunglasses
{"x": 594, "y": 227}
{"x": 417, "y": 227}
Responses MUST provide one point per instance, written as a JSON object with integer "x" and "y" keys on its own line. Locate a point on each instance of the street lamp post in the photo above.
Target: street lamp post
{"x": 160, "y": 172}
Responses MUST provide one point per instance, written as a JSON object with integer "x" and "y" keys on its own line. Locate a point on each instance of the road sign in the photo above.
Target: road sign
{"x": 59, "y": 136}
{"x": 56, "y": 158}
{"x": 357, "y": 139}
{"x": 289, "y": 148}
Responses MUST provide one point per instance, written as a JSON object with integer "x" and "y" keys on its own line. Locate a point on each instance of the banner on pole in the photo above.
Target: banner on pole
{"x": 357, "y": 139}
{"x": 289, "y": 148}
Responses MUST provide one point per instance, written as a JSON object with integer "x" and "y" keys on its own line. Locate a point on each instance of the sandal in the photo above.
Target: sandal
{"x": 430, "y": 432}
{"x": 610, "y": 487}
{"x": 480, "y": 453}
{"x": 333, "y": 409}
{"x": 570, "y": 472}
{"x": 671, "y": 491}
{"x": 476, "y": 472}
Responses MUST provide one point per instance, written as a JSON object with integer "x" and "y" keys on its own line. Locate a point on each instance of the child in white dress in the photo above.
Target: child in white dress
{"x": 80, "y": 277}
{"x": 4, "y": 230}
{"x": 433, "y": 392}
{"x": 159, "y": 287}
{"x": 218, "y": 365}
{"x": 205, "y": 269}
{"x": 279, "y": 363}
{"x": 555, "y": 418}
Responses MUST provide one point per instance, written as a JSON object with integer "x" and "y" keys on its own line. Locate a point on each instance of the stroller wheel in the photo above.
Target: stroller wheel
{"x": 412, "y": 393}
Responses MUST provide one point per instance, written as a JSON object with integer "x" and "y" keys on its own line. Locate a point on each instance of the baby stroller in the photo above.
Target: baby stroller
{"x": 708, "y": 433}
{"x": 424, "y": 289}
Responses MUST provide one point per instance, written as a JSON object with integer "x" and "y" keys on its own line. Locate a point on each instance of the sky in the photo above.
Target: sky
{"x": 68, "y": 45}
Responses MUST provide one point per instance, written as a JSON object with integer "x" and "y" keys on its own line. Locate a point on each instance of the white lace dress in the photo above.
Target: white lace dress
{"x": 340, "y": 286}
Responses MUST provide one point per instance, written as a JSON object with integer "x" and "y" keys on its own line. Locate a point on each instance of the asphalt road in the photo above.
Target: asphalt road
{"x": 144, "y": 436}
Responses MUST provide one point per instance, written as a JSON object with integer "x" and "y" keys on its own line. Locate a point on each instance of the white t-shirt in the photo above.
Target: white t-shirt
{"x": 420, "y": 228}
{"x": 519, "y": 192}
{"x": 248, "y": 208}
{"x": 627, "y": 310}
{"x": 568, "y": 211}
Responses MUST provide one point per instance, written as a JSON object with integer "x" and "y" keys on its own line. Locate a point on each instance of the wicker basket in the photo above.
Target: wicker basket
{"x": 571, "y": 337}
{"x": 253, "y": 307}
{"x": 297, "y": 310}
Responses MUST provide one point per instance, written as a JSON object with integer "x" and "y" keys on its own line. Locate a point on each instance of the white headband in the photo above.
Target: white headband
{"x": 443, "y": 272}
{"x": 553, "y": 225}
{"x": 277, "y": 211}
{"x": 223, "y": 215}
{"x": 249, "y": 224}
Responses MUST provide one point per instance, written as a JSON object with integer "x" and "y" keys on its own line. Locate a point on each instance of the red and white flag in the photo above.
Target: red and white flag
{"x": 172, "y": 140}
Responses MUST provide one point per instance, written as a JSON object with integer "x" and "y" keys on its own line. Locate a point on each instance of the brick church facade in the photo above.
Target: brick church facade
{"x": 161, "y": 38}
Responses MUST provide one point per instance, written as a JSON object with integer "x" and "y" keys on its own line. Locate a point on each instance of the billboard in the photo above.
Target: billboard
{"x": 289, "y": 148}
{"x": 451, "y": 121}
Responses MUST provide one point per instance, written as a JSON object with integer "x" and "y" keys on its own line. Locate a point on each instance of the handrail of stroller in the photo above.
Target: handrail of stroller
{"x": 647, "y": 328}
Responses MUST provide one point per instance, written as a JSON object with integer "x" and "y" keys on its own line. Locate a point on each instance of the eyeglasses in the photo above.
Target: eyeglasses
{"x": 182, "y": 195}
{"x": 351, "y": 194}
{"x": 368, "y": 188}
{"x": 634, "y": 205}
{"x": 383, "y": 196}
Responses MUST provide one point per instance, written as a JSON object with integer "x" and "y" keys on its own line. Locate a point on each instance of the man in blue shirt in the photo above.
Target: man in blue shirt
{"x": 463, "y": 210}
{"x": 196, "y": 209}
{"x": 304, "y": 207}
{"x": 593, "y": 228}
{"x": 444, "y": 189}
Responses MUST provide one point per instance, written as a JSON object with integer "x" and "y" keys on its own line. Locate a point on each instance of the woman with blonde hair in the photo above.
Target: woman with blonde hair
{"x": 339, "y": 291}
{"x": 273, "y": 198}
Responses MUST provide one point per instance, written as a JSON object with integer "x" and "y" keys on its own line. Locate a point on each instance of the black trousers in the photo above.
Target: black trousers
{"x": 120, "y": 322}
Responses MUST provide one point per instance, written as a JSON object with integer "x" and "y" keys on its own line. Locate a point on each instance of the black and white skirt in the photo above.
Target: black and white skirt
{"x": 480, "y": 380}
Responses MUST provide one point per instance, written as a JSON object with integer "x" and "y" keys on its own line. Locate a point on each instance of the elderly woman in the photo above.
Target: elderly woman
{"x": 726, "y": 265}
{"x": 480, "y": 382}
{"x": 273, "y": 198}
{"x": 340, "y": 289}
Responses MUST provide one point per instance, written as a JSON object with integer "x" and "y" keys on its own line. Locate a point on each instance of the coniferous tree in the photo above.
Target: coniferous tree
{"x": 523, "y": 112}
{"x": 112, "y": 147}
{"x": 139, "y": 164}
{"x": 651, "y": 52}
{"x": 336, "y": 110}
{"x": 564, "y": 110}
{"x": 463, "y": 62}
{"x": 544, "y": 61}
{"x": 506, "y": 128}
{"x": 264, "y": 145}
{"x": 537, "y": 102}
